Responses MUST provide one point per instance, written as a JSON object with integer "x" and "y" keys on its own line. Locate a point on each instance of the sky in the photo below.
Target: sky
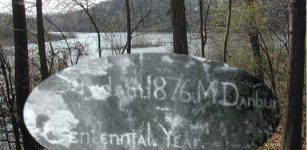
{"x": 49, "y": 6}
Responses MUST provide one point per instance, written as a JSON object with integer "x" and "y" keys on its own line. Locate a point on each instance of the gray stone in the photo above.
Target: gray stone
{"x": 151, "y": 102}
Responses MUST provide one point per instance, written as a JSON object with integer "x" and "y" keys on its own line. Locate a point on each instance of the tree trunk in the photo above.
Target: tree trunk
{"x": 129, "y": 36}
{"x": 256, "y": 55}
{"x": 202, "y": 36}
{"x": 179, "y": 24}
{"x": 41, "y": 40}
{"x": 22, "y": 69}
{"x": 227, "y": 31}
{"x": 255, "y": 45}
{"x": 292, "y": 136}
{"x": 203, "y": 26}
{"x": 96, "y": 30}
{"x": 99, "y": 38}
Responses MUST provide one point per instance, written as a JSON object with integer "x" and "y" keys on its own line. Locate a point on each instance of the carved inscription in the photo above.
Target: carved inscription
{"x": 152, "y": 102}
{"x": 188, "y": 91}
{"x": 171, "y": 139}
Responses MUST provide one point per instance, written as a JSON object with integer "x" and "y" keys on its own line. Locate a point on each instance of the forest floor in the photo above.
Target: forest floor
{"x": 274, "y": 143}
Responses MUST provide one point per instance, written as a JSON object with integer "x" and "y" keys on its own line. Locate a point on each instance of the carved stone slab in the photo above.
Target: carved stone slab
{"x": 151, "y": 102}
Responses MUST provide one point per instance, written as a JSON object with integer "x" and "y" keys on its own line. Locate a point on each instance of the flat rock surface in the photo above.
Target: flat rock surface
{"x": 151, "y": 101}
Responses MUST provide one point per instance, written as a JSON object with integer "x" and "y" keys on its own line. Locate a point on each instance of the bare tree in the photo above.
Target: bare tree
{"x": 179, "y": 25}
{"x": 271, "y": 72}
{"x": 85, "y": 5}
{"x": 4, "y": 123}
{"x": 255, "y": 44}
{"x": 129, "y": 38}
{"x": 292, "y": 136}
{"x": 203, "y": 25}
{"x": 131, "y": 30}
{"x": 227, "y": 30}
{"x": 65, "y": 39}
{"x": 41, "y": 40}
{"x": 9, "y": 96}
{"x": 22, "y": 69}
{"x": 202, "y": 36}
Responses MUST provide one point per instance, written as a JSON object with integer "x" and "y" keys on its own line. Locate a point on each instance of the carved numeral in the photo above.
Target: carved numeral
{"x": 159, "y": 92}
